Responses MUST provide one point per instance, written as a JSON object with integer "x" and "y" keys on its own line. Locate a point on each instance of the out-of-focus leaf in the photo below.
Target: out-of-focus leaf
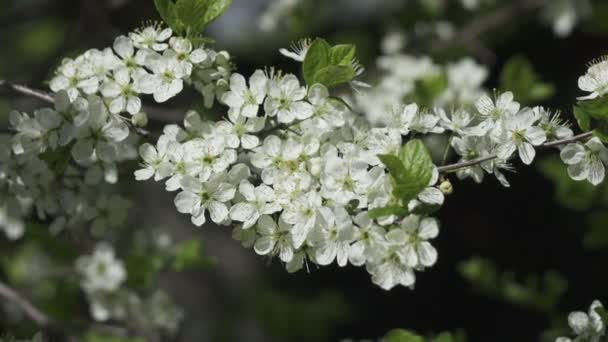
{"x": 540, "y": 293}
{"x": 401, "y": 335}
{"x": 569, "y": 193}
{"x": 428, "y": 89}
{"x": 596, "y": 236}
{"x": 188, "y": 255}
{"x": 519, "y": 77}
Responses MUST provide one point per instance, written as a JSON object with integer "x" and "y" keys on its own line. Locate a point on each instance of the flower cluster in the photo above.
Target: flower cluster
{"x": 148, "y": 61}
{"x": 296, "y": 172}
{"x": 586, "y": 326}
{"x": 103, "y": 278}
{"x": 502, "y": 129}
{"x": 57, "y": 161}
{"x": 58, "y": 155}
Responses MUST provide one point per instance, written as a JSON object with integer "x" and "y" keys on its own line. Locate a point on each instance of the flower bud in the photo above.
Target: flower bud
{"x": 446, "y": 187}
{"x": 140, "y": 119}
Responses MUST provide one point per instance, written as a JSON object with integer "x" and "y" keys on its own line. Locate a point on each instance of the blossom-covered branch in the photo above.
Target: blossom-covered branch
{"x": 469, "y": 163}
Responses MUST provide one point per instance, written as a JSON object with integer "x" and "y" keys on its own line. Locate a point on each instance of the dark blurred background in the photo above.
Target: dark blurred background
{"x": 544, "y": 222}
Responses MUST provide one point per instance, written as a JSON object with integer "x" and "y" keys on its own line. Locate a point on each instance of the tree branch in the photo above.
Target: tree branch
{"x": 469, "y": 163}
{"x": 27, "y": 91}
{"x": 35, "y": 315}
{"x": 469, "y": 35}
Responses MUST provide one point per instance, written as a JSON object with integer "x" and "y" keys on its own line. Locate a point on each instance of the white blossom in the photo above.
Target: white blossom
{"x": 586, "y": 161}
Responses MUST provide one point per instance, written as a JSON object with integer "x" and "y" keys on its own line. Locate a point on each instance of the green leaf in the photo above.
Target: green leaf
{"x": 342, "y": 54}
{"x": 601, "y": 310}
{"x": 583, "y": 119}
{"x": 429, "y": 88}
{"x": 387, "y": 211}
{"x": 166, "y": 9}
{"x": 519, "y": 77}
{"x": 596, "y": 236}
{"x": 411, "y": 171}
{"x": 443, "y": 337}
{"x": 188, "y": 255}
{"x": 400, "y": 335}
{"x": 568, "y": 192}
{"x": 418, "y": 166}
{"x": 316, "y": 59}
{"x": 192, "y": 13}
{"x": 596, "y": 108}
{"x": 142, "y": 269}
{"x": 395, "y": 167}
{"x": 216, "y": 9}
{"x": 333, "y": 75}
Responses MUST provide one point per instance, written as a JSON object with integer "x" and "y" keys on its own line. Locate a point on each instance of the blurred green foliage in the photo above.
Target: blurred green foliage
{"x": 592, "y": 201}
{"x": 536, "y": 292}
{"x": 518, "y": 76}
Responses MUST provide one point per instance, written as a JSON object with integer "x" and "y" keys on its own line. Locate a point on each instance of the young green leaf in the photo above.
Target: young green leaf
{"x": 429, "y": 88}
{"x": 316, "y": 59}
{"x": 444, "y": 337}
{"x": 400, "y": 335}
{"x": 166, "y": 9}
{"x": 387, "y": 211}
{"x": 192, "y": 13}
{"x": 216, "y": 9}
{"x": 519, "y": 76}
{"x": 411, "y": 171}
{"x": 583, "y": 119}
{"x": 418, "y": 165}
{"x": 395, "y": 167}
{"x": 334, "y": 75}
{"x": 596, "y": 108}
{"x": 342, "y": 54}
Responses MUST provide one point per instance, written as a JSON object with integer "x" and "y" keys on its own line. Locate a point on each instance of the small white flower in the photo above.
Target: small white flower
{"x": 389, "y": 267}
{"x": 552, "y": 124}
{"x": 595, "y": 80}
{"x": 588, "y": 326}
{"x": 205, "y": 157}
{"x": 13, "y": 227}
{"x": 403, "y": 117}
{"x": 151, "y": 37}
{"x": 166, "y": 80}
{"x": 244, "y": 100}
{"x": 297, "y": 51}
{"x": 492, "y": 112}
{"x": 156, "y": 160}
{"x": 302, "y": 214}
{"x": 459, "y": 122}
{"x": 586, "y": 161}
{"x": 183, "y": 51}
{"x": 418, "y": 252}
{"x": 274, "y": 239}
{"x": 332, "y": 236}
{"x": 286, "y": 100}
{"x": 101, "y": 271}
{"x": 521, "y": 135}
{"x": 197, "y": 197}
{"x": 259, "y": 201}
{"x": 367, "y": 238}
{"x": 122, "y": 94}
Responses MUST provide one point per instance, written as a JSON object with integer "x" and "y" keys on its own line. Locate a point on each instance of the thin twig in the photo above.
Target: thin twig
{"x": 470, "y": 34}
{"x": 465, "y": 164}
{"x": 27, "y": 91}
{"x": 156, "y": 114}
{"x": 35, "y": 315}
